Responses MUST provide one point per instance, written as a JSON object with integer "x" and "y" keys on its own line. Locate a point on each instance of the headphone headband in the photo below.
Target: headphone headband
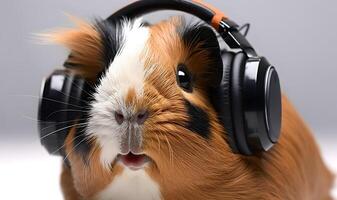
{"x": 211, "y": 15}
{"x": 198, "y": 8}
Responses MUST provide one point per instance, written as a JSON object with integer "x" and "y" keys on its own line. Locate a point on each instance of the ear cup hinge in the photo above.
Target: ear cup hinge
{"x": 228, "y": 25}
{"x": 230, "y": 33}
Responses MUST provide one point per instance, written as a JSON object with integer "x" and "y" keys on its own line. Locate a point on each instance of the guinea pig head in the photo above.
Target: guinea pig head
{"x": 151, "y": 109}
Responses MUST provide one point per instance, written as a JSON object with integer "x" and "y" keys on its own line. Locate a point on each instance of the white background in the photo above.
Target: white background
{"x": 28, "y": 172}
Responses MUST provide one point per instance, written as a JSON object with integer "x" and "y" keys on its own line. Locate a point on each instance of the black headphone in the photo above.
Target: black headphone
{"x": 250, "y": 109}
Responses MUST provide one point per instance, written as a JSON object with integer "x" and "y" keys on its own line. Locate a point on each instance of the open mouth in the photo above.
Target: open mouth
{"x": 133, "y": 161}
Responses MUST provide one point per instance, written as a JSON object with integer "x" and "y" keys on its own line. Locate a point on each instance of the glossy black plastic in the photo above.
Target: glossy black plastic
{"x": 233, "y": 37}
{"x": 60, "y": 100}
{"x": 139, "y": 8}
{"x": 261, "y": 105}
{"x": 273, "y": 110}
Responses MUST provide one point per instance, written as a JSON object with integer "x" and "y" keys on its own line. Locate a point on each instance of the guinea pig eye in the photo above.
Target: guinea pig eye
{"x": 184, "y": 78}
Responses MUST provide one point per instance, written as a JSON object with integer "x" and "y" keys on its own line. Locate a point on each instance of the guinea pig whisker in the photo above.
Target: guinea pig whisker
{"x": 64, "y": 122}
{"x": 53, "y": 100}
{"x": 177, "y": 135}
{"x": 65, "y": 144}
{"x": 91, "y": 154}
{"x": 152, "y": 140}
{"x": 67, "y": 110}
{"x": 170, "y": 150}
{"x": 90, "y": 94}
{"x": 93, "y": 151}
{"x": 32, "y": 118}
{"x": 83, "y": 101}
{"x": 175, "y": 124}
{"x": 58, "y": 130}
{"x": 180, "y": 138}
{"x": 190, "y": 143}
{"x": 73, "y": 149}
{"x": 158, "y": 142}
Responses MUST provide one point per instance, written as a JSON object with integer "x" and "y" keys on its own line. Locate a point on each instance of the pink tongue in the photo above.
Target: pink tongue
{"x": 133, "y": 160}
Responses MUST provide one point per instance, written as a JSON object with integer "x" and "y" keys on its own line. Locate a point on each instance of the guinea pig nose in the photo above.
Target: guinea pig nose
{"x": 119, "y": 117}
{"x": 142, "y": 116}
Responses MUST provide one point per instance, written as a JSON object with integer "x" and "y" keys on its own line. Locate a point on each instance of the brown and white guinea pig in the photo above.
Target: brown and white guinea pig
{"x": 152, "y": 132}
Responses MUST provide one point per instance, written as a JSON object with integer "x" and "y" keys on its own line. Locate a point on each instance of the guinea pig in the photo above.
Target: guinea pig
{"x": 151, "y": 130}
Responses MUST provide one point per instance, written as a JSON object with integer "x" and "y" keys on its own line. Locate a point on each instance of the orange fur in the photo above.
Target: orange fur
{"x": 67, "y": 184}
{"x": 185, "y": 165}
{"x": 85, "y": 45}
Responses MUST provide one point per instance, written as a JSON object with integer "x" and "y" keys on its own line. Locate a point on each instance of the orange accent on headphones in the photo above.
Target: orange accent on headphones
{"x": 218, "y": 14}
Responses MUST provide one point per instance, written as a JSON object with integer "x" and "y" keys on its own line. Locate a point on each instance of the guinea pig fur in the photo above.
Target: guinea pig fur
{"x": 147, "y": 135}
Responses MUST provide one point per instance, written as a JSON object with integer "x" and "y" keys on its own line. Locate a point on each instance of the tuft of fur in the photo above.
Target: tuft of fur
{"x": 189, "y": 161}
{"x": 85, "y": 45}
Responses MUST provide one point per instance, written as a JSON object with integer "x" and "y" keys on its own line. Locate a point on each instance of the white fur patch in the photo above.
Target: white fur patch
{"x": 131, "y": 185}
{"x": 125, "y": 72}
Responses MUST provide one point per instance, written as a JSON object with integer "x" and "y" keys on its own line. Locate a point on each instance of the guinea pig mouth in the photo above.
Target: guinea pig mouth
{"x": 133, "y": 161}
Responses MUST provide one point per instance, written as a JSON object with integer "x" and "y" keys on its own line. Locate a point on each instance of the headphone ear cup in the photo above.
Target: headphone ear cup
{"x": 255, "y": 105}
{"x": 222, "y": 98}
{"x": 231, "y": 104}
{"x": 61, "y": 103}
{"x": 236, "y": 98}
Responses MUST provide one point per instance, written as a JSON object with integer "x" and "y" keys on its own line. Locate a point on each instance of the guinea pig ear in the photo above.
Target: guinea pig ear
{"x": 201, "y": 39}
